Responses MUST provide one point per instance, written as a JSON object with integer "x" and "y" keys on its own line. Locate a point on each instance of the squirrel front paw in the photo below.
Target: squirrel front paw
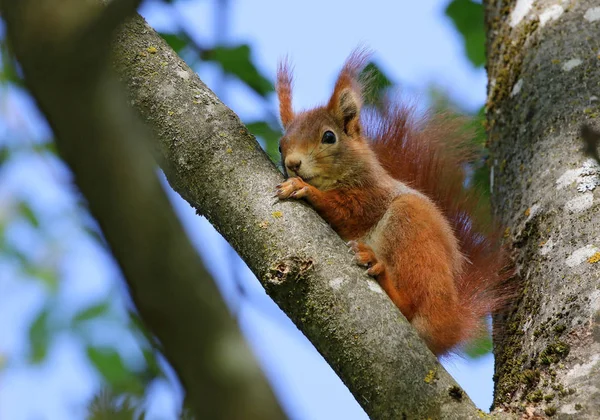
{"x": 292, "y": 188}
{"x": 365, "y": 257}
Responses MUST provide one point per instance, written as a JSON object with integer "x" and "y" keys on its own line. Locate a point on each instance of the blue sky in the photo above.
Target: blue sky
{"x": 414, "y": 44}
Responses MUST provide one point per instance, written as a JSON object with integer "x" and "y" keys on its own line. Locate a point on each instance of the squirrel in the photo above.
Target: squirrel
{"x": 392, "y": 186}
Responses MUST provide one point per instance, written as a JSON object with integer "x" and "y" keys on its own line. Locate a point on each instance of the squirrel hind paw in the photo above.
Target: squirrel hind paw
{"x": 376, "y": 269}
{"x": 365, "y": 257}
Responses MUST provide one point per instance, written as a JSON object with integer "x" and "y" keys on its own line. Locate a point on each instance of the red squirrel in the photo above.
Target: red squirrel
{"x": 392, "y": 185}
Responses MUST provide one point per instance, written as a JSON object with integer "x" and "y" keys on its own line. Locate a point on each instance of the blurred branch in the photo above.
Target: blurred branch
{"x": 214, "y": 163}
{"x": 64, "y": 60}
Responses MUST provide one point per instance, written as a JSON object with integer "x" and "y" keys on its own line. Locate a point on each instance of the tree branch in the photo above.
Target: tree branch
{"x": 214, "y": 163}
{"x": 104, "y": 144}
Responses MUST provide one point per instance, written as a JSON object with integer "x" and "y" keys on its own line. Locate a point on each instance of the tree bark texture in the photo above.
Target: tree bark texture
{"x": 215, "y": 164}
{"x": 544, "y": 82}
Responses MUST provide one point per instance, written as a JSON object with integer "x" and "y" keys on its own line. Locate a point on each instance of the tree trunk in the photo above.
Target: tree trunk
{"x": 543, "y": 62}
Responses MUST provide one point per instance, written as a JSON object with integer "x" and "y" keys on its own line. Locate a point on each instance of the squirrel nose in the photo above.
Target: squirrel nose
{"x": 293, "y": 164}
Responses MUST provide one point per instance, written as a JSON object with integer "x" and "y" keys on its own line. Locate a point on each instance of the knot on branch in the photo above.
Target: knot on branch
{"x": 455, "y": 393}
{"x": 289, "y": 269}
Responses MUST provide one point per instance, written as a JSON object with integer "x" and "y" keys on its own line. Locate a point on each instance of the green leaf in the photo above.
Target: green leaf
{"x": 5, "y": 153}
{"x": 109, "y": 364}
{"x": 237, "y": 62}
{"x": 269, "y": 135}
{"x": 481, "y": 171}
{"x": 175, "y": 41}
{"x": 10, "y": 251}
{"x": 39, "y": 337}
{"x": 8, "y": 71}
{"x": 48, "y": 276}
{"x": 481, "y": 180}
{"x": 46, "y": 147}
{"x": 479, "y": 347}
{"x": 152, "y": 363}
{"x": 467, "y": 16}
{"x": 377, "y": 83}
{"x": 27, "y": 212}
{"x": 92, "y": 312}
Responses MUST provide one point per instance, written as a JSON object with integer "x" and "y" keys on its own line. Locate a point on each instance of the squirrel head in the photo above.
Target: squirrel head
{"x": 325, "y": 146}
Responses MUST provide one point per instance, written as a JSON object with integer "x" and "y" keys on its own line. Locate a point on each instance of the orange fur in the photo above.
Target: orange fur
{"x": 393, "y": 184}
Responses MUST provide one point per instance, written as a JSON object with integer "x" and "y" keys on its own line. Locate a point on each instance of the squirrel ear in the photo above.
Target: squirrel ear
{"x": 284, "y": 93}
{"x": 346, "y": 100}
{"x": 345, "y": 105}
{"x": 349, "y": 105}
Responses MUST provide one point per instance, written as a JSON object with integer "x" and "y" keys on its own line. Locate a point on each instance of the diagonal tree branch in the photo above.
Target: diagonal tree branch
{"x": 212, "y": 161}
{"x": 100, "y": 138}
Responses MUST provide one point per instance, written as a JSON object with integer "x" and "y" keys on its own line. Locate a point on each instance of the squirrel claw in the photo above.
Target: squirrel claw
{"x": 365, "y": 264}
{"x": 363, "y": 255}
{"x": 291, "y": 188}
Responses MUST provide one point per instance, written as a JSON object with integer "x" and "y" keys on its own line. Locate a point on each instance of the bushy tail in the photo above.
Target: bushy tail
{"x": 430, "y": 153}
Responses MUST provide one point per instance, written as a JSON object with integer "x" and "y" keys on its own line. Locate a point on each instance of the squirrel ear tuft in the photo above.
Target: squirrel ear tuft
{"x": 284, "y": 93}
{"x": 346, "y": 100}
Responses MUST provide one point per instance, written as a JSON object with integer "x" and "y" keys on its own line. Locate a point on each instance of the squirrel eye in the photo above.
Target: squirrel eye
{"x": 280, "y": 149}
{"x": 328, "y": 137}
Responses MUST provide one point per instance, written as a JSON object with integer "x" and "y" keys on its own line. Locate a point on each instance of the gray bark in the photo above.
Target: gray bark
{"x": 543, "y": 62}
{"x": 212, "y": 161}
{"x": 66, "y": 70}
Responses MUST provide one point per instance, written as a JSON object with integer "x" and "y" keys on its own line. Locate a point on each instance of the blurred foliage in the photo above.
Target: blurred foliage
{"x": 475, "y": 125}
{"x": 107, "y": 405}
{"x": 377, "y": 83}
{"x": 236, "y": 61}
{"x": 479, "y": 347}
{"x": 39, "y": 336}
{"x": 175, "y": 41}
{"x": 8, "y": 72}
{"x": 481, "y": 171}
{"x": 124, "y": 380}
{"x": 269, "y": 135}
{"x": 467, "y": 17}
{"x": 22, "y": 224}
